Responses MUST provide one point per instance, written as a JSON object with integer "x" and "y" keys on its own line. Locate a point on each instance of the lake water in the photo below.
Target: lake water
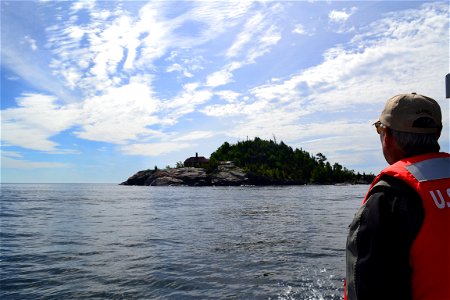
{"x": 105, "y": 241}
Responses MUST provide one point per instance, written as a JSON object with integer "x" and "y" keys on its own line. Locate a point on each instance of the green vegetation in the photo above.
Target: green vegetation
{"x": 272, "y": 162}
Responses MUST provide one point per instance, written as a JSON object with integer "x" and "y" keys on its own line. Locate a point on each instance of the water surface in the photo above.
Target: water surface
{"x": 124, "y": 242}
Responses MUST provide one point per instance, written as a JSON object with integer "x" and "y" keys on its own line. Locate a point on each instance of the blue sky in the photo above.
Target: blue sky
{"x": 95, "y": 91}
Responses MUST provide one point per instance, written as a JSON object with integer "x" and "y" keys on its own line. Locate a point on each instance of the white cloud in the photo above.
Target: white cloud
{"x": 263, "y": 120}
{"x": 256, "y": 38}
{"x": 253, "y": 26}
{"x": 174, "y": 67}
{"x": 184, "y": 103}
{"x": 393, "y": 53}
{"x": 25, "y": 64}
{"x": 7, "y": 153}
{"x": 35, "y": 121}
{"x": 184, "y": 62}
{"x": 216, "y": 17}
{"x": 219, "y": 78}
{"x": 109, "y": 47}
{"x": 223, "y": 110}
{"x": 122, "y": 114}
{"x": 228, "y": 95}
{"x": 72, "y": 77}
{"x": 348, "y": 142}
{"x": 194, "y": 135}
{"x": 31, "y": 42}
{"x": 341, "y": 16}
{"x": 10, "y": 163}
{"x": 179, "y": 68}
{"x": 100, "y": 59}
{"x": 101, "y": 14}
{"x": 154, "y": 149}
{"x": 12, "y": 78}
{"x": 299, "y": 29}
{"x": 118, "y": 44}
{"x": 82, "y": 4}
{"x": 157, "y": 32}
{"x": 266, "y": 41}
{"x": 75, "y": 32}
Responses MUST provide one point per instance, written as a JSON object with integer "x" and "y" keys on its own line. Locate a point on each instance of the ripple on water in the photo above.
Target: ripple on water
{"x": 108, "y": 241}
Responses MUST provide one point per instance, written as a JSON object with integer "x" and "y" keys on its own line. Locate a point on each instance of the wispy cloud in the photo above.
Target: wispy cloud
{"x": 252, "y": 27}
{"x": 31, "y": 42}
{"x": 185, "y": 102}
{"x": 194, "y": 136}
{"x": 341, "y": 16}
{"x": 122, "y": 114}
{"x": 82, "y": 4}
{"x": 338, "y": 20}
{"x": 179, "y": 68}
{"x": 256, "y": 39}
{"x": 154, "y": 149}
{"x": 299, "y": 29}
{"x": 184, "y": 62}
{"x": 362, "y": 66}
{"x": 134, "y": 79}
{"x": 11, "y": 163}
{"x": 219, "y": 78}
{"x": 36, "y": 120}
{"x": 353, "y": 77}
{"x": 111, "y": 48}
{"x": 22, "y": 62}
{"x": 13, "y": 154}
{"x": 228, "y": 95}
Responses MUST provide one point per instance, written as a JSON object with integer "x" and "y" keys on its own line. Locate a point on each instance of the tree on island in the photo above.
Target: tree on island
{"x": 253, "y": 162}
{"x": 277, "y": 162}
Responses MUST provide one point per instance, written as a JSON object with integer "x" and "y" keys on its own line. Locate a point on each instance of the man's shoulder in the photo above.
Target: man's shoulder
{"x": 394, "y": 194}
{"x": 390, "y": 184}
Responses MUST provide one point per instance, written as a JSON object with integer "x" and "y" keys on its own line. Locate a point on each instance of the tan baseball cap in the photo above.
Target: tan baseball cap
{"x": 412, "y": 113}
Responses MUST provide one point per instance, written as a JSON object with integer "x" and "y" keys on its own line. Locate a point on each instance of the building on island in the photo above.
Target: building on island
{"x": 196, "y": 161}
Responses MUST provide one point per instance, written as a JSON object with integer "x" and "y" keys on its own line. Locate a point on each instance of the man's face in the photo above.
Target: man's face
{"x": 391, "y": 151}
{"x": 385, "y": 147}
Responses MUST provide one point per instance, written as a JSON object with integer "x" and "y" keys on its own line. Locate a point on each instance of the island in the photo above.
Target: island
{"x": 251, "y": 162}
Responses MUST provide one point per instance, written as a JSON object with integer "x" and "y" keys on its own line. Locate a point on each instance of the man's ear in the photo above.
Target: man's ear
{"x": 387, "y": 136}
{"x": 438, "y": 133}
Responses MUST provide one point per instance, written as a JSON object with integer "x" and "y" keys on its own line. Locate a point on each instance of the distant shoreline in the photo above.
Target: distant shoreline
{"x": 252, "y": 162}
{"x": 223, "y": 176}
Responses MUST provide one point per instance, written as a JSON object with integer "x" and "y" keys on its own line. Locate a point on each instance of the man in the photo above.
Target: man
{"x": 398, "y": 246}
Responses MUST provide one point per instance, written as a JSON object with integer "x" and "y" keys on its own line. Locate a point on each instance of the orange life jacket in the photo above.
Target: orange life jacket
{"x": 429, "y": 176}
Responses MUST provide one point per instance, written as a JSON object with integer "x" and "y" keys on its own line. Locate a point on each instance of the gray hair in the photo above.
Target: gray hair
{"x": 416, "y": 143}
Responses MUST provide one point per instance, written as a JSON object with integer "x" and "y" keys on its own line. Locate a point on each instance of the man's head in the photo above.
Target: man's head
{"x": 410, "y": 124}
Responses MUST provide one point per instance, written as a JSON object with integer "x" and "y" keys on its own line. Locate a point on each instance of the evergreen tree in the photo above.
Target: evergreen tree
{"x": 272, "y": 162}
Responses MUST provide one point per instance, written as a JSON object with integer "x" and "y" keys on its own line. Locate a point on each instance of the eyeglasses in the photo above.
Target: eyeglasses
{"x": 380, "y": 127}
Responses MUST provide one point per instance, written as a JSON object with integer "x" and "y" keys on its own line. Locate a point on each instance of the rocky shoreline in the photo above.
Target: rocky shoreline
{"x": 224, "y": 175}
{"x": 190, "y": 176}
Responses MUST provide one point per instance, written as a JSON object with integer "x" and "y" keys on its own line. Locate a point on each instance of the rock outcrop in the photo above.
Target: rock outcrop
{"x": 225, "y": 175}
{"x": 180, "y": 176}
{"x": 140, "y": 178}
{"x": 229, "y": 175}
